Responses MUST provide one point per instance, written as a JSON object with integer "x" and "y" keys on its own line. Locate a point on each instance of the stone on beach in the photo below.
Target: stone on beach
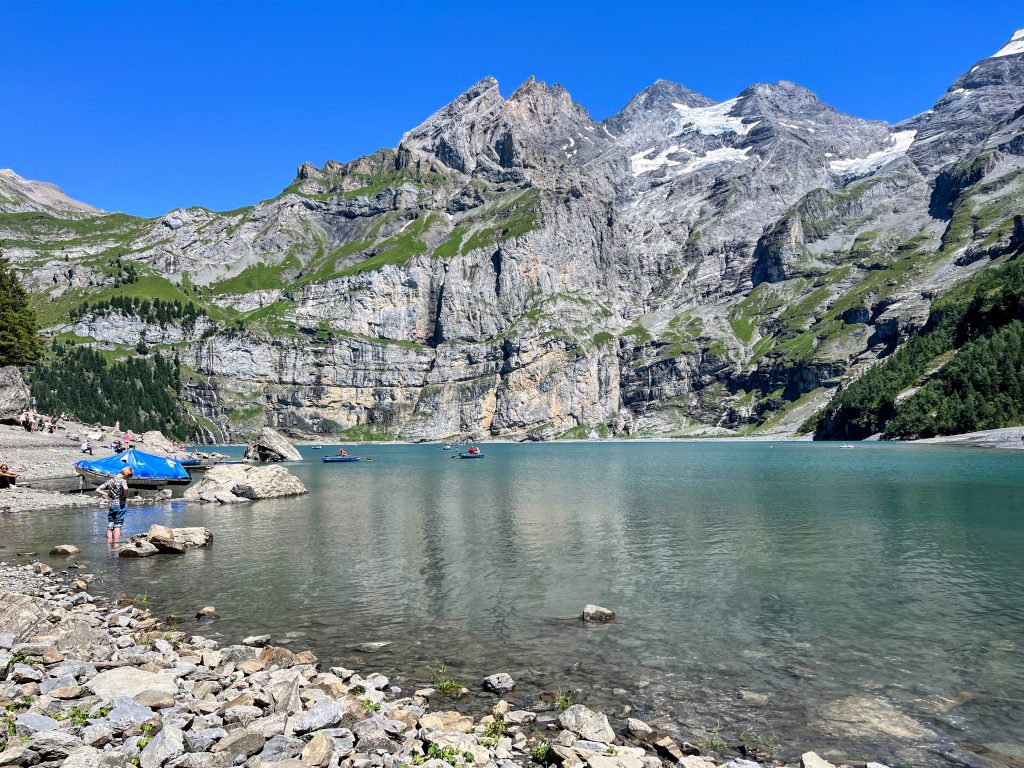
{"x": 65, "y": 549}
{"x": 587, "y": 724}
{"x": 14, "y": 394}
{"x": 271, "y": 445}
{"x": 811, "y": 760}
{"x": 154, "y": 442}
{"x": 233, "y": 483}
{"x": 129, "y": 681}
{"x": 593, "y": 612}
{"x": 207, "y": 612}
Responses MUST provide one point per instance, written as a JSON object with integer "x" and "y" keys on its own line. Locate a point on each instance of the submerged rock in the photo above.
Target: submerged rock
{"x": 271, "y": 445}
{"x": 65, "y": 549}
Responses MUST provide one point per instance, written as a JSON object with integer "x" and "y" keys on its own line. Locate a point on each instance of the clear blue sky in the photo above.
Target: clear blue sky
{"x": 145, "y": 106}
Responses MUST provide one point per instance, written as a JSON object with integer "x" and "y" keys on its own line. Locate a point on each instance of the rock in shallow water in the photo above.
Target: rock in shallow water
{"x": 229, "y": 483}
{"x": 138, "y": 548}
{"x": 501, "y": 682}
{"x": 593, "y": 612}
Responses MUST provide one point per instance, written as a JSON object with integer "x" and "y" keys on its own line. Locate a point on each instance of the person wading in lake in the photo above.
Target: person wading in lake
{"x": 116, "y": 489}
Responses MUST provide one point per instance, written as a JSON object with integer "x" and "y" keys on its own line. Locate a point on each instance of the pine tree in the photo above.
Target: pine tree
{"x": 19, "y": 332}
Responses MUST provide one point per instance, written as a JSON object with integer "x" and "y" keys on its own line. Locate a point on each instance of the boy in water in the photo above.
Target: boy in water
{"x": 116, "y": 489}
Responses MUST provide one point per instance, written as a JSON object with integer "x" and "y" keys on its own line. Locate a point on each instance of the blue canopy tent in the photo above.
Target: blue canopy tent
{"x": 150, "y": 471}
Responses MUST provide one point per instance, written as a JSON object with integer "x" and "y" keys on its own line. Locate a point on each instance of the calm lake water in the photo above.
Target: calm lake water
{"x": 762, "y": 589}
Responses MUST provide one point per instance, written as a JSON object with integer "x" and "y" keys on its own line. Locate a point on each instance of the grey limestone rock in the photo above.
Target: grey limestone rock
{"x": 167, "y": 745}
{"x": 587, "y": 724}
{"x": 271, "y": 445}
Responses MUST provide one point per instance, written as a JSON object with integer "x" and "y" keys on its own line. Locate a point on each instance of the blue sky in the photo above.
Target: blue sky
{"x": 143, "y": 107}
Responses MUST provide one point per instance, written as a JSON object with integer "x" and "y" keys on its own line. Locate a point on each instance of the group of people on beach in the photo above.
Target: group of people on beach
{"x": 33, "y": 421}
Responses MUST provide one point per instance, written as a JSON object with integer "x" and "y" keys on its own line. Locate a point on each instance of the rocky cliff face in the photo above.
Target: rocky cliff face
{"x": 516, "y": 268}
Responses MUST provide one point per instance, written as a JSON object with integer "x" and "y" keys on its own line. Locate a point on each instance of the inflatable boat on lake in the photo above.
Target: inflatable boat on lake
{"x": 149, "y": 471}
{"x": 332, "y": 459}
{"x": 468, "y": 455}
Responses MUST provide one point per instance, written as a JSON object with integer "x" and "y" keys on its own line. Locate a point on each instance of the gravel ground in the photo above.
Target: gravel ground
{"x": 38, "y": 455}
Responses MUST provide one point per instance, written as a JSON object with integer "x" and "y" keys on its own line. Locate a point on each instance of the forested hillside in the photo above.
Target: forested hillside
{"x": 963, "y": 372}
{"x": 141, "y": 392}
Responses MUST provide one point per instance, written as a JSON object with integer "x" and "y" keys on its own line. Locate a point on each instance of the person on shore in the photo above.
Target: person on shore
{"x": 87, "y": 447}
{"x": 7, "y": 478}
{"x": 116, "y": 490}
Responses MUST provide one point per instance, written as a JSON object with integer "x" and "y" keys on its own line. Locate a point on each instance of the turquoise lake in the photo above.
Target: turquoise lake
{"x": 775, "y": 592}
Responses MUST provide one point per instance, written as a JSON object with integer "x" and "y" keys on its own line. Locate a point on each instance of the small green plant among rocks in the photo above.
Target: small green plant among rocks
{"x": 564, "y": 701}
{"x": 447, "y": 753}
{"x": 541, "y": 752}
{"x": 75, "y": 715}
{"x": 444, "y": 683}
{"x": 25, "y": 702}
{"x": 370, "y": 706}
{"x": 496, "y": 730}
{"x": 23, "y": 658}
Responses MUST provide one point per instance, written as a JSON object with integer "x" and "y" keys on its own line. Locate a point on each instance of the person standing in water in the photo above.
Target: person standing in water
{"x": 116, "y": 490}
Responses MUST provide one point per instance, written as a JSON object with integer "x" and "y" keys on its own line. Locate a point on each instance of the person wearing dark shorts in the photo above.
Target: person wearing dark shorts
{"x": 116, "y": 490}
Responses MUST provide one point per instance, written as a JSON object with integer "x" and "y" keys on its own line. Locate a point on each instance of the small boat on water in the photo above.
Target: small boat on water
{"x": 317, "y": 447}
{"x": 846, "y": 445}
{"x": 201, "y": 462}
{"x": 149, "y": 471}
{"x": 447, "y": 447}
{"x": 471, "y": 455}
{"x": 332, "y": 459}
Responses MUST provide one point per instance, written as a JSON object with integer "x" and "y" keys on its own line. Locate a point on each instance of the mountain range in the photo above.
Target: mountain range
{"x": 515, "y": 268}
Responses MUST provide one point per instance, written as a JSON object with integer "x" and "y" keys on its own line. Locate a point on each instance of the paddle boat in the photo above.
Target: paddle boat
{"x": 472, "y": 453}
{"x": 149, "y": 471}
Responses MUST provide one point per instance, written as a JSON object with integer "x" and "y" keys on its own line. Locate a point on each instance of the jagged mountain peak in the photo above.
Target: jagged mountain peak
{"x": 783, "y": 98}
{"x": 20, "y": 195}
{"x": 1013, "y": 48}
{"x": 660, "y": 99}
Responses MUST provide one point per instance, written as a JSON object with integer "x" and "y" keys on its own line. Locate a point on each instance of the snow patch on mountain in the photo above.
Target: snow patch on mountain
{"x": 646, "y": 161}
{"x": 852, "y": 167}
{"x": 712, "y": 121}
{"x": 1012, "y": 48}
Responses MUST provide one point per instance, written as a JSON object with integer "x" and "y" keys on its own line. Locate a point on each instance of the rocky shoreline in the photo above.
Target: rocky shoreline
{"x": 91, "y": 683}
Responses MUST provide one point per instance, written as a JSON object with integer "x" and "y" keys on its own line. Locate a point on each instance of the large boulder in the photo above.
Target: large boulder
{"x": 228, "y": 483}
{"x": 155, "y": 442}
{"x": 271, "y": 446}
{"x": 14, "y": 395}
{"x": 24, "y": 618}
